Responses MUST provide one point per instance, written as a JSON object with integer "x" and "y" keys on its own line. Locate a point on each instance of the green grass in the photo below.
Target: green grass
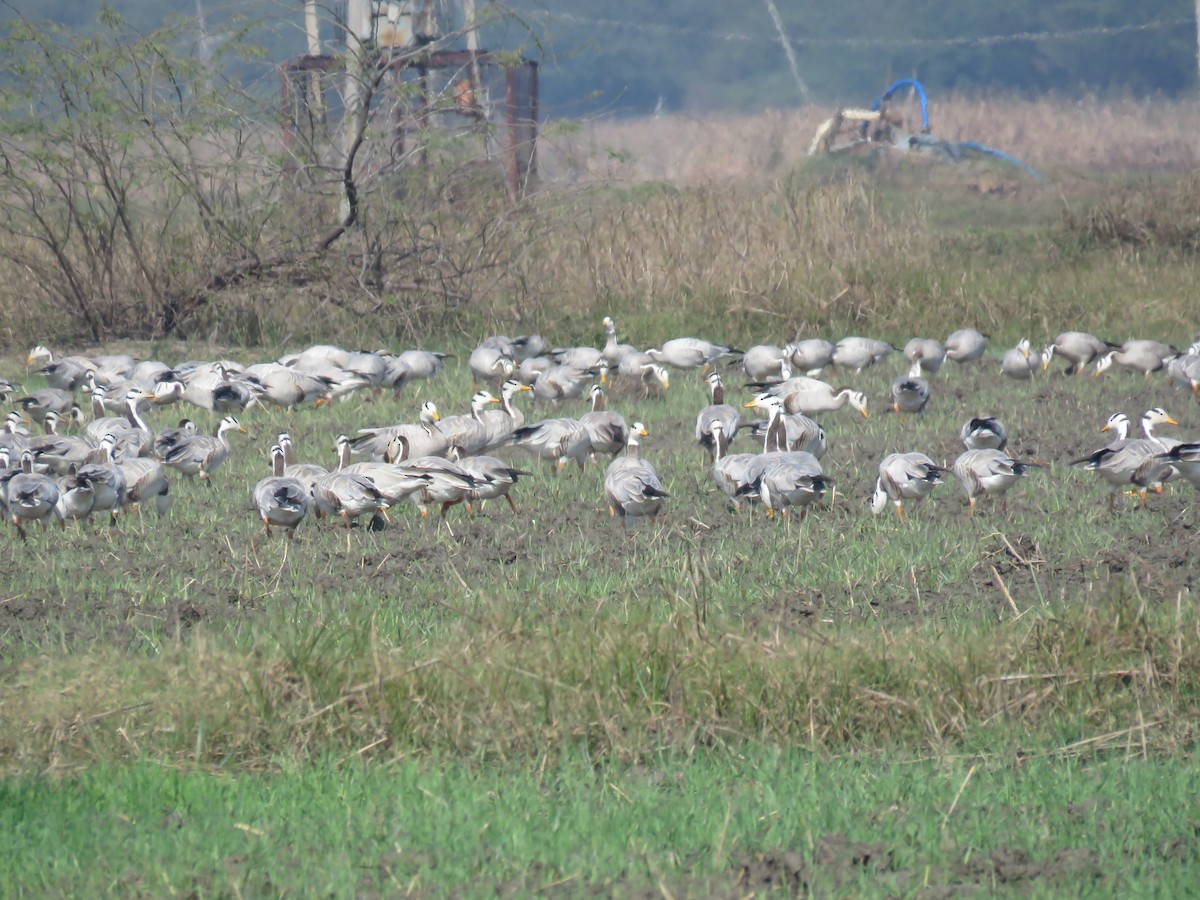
{"x": 337, "y": 828}
{"x": 518, "y": 701}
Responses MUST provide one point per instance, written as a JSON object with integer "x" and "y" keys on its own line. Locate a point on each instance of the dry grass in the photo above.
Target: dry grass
{"x": 622, "y": 691}
{"x": 1076, "y": 139}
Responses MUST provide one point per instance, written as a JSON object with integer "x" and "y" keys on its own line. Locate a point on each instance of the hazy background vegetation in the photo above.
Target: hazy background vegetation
{"x": 703, "y": 55}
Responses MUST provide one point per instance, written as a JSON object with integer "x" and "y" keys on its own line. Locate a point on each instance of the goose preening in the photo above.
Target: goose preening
{"x": 31, "y": 497}
{"x": 810, "y": 396}
{"x": 167, "y": 438}
{"x": 201, "y": 454}
{"x": 965, "y": 346}
{"x": 1146, "y": 357}
{"x": 631, "y": 485}
{"x": 640, "y": 367}
{"x": 983, "y": 433}
{"x": 990, "y": 472}
{"x": 927, "y": 352}
{"x": 564, "y": 382}
{"x": 491, "y": 364}
{"x": 1077, "y": 348}
{"x": 614, "y": 351}
{"x": 282, "y": 502}
{"x": 689, "y": 353}
{"x": 810, "y": 356}
{"x": 1127, "y": 464}
{"x": 904, "y": 476}
{"x": 1019, "y": 362}
{"x": 608, "y": 432}
{"x": 766, "y": 362}
{"x": 717, "y": 411}
{"x": 860, "y": 353}
{"x": 910, "y": 393}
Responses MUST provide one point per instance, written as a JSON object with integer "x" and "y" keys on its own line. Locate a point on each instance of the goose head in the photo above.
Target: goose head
{"x": 879, "y": 498}
{"x": 1103, "y": 364}
{"x": 429, "y": 414}
{"x": 511, "y": 388}
{"x": 661, "y": 376}
{"x": 397, "y": 450}
{"x": 858, "y": 400}
{"x": 480, "y": 401}
{"x": 1023, "y": 346}
{"x": 39, "y": 354}
{"x": 1154, "y": 417}
{"x": 1047, "y": 355}
{"x": 230, "y": 424}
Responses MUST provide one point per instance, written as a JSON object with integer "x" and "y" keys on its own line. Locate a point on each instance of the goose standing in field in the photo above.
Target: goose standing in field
{"x": 578, "y": 357}
{"x": 14, "y": 436}
{"x": 425, "y": 437}
{"x": 641, "y": 368}
{"x": 48, "y": 400}
{"x": 281, "y": 501}
{"x": 146, "y": 482}
{"x": 31, "y": 497}
{"x": 799, "y": 433}
{"x": 564, "y": 382}
{"x": 983, "y": 433}
{"x": 990, "y": 472}
{"x": 717, "y": 411}
{"x": 415, "y": 364}
{"x": 557, "y": 441}
{"x": 810, "y": 356}
{"x": 59, "y": 452}
{"x": 468, "y": 433}
{"x": 201, "y": 454}
{"x": 493, "y": 478}
{"x": 1184, "y": 458}
{"x": 316, "y": 355}
{"x": 442, "y": 481}
{"x": 167, "y": 438}
{"x": 288, "y": 387}
{"x": 728, "y": 470}
{"x": 631, "y": 485}
{"x": 529, "y": 369}
{"x": 347, "y": 496}
{"x": 1077, "y": 348}
{"x": 782, "y": 478}
{"x": 910, "y": 393}
{"x": 305, "y": 473}
{"x": 926, "y": 351}
{"x": 135, "y": 437}
{"x": 690, "y": 353}
{"x": 810, "y": 396}
{"x": 860, "y": 353}
{"x": 1185, "y": 371}
{"x": 1146, "y": 357}
{"x": 526, "y": 346}
{"x": 108, "y": 484}
{"x": 75, "y": 498}
{"x": 66, "y": 374}
{"x": 966, "y": 346}
{"x": 904, "y": 476}
{"x": 765, "y": 363}
{"x": 501, "y": 423}
{"x": 608, "y": 432}
{"x": 1019, "y": 362}
{"x": 613, "y": 351}
{"x": 491, "y": 365}
{"x": 1133, "y": 464}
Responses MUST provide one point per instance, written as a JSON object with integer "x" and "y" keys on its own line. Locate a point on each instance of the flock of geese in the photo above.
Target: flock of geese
{"x": 97, "y": 452}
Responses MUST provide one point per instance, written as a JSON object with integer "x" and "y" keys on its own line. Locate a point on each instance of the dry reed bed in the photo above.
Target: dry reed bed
{"x": 1087, "y": 136}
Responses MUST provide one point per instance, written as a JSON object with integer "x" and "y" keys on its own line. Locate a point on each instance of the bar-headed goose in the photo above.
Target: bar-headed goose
{"x": 442, "y": 482}
{"x": 1077, "y": 347}
{"x": 491, "y": 365}
{"x": 717, "y": 411}
{"x": 282, "y": 502}
{"x": 983, "y": 433}
{"x": 1133, "y": 464}
{"x": 990, "y": 472}
{"x": 425, "y": 437}
{"x": 810, "y": 356}
{"x": 1146, "y": 357}
{"x": 689, "y": 353}
{"x": 493, "y": 478}
{"x": 810, "y": 396}
{"x": 965, "y": 346}
{"x": 30, "y": 497}
{"x": 860, "y": 353}
{"x": 608, "y": 432}
{"x": 613, "y": 351}
{"x": 904, "y": 476}
{"x": 201, "y": 454}
{"x": 631, "y": 485}
{"x": 557, "y": 441}
{"x": 910, "y": 393}
{"x": 766, "y": 363}
{"x": 926, "y": 351}
{"x": 1019, "y": 362}
{"x": 468, "y": 434}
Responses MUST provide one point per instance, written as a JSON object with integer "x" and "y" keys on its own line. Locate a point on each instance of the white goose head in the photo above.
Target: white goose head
{"x": 879, "y": 498}
{"x": 1118, "y": 422}
{"x": 1104, "y": 363}
{"x": 1153, "y": 417}
{"x": 39, "y": 354}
